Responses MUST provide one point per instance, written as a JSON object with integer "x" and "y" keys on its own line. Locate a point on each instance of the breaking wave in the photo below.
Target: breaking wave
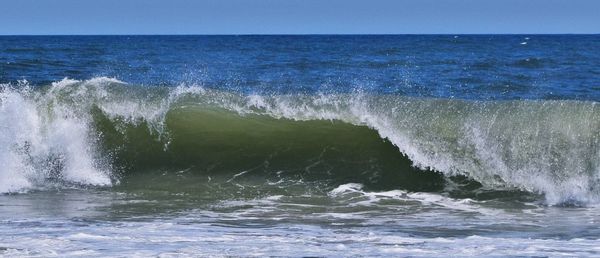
{"x": 95, "y": 131}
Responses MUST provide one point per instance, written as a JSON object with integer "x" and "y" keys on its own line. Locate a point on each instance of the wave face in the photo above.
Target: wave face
{"x": 96, "y": 131}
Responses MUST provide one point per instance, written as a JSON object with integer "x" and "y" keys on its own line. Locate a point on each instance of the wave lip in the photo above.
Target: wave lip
{"x": 60, "y": 132}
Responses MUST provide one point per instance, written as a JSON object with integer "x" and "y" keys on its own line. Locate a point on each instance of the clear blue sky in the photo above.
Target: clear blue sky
{"x": 19, "y": 17}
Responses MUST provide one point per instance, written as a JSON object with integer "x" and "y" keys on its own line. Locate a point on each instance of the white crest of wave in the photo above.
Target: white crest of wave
{"x": 46, "y": 134}
{"x": 42, "y": 139}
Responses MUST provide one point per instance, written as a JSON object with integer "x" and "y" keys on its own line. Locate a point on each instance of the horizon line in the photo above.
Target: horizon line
{"x": 303, "y": 34}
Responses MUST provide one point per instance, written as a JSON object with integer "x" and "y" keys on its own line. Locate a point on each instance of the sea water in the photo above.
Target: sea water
{"x": 400, "y": 145}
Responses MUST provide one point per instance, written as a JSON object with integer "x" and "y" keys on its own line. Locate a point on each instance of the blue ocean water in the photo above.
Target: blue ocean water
{"x": 314, "y": 145}
{"x": 447, "y": 66}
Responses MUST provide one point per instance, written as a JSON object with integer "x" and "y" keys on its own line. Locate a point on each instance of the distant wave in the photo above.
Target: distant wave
{"x": 89, "y": 132}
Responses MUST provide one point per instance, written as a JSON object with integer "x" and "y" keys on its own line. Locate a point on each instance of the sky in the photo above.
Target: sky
{"x": 76, "y": 17}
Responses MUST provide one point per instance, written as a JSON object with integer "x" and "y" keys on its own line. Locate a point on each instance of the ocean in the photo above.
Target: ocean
{"x": 313, "y": 145}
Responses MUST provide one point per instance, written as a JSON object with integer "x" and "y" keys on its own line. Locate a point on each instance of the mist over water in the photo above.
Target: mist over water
{"x": 294, "y": 148}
